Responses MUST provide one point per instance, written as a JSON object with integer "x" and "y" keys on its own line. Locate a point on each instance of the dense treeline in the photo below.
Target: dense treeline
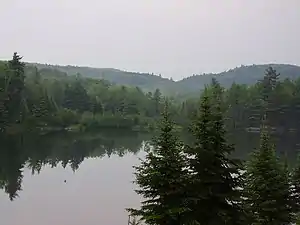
{"x": 183, "y": 88}
{"x": 145, "y": 81}
{"x": 49, "y": 98}
{"x": 46, "y": 98}
{"x": 248, "y": 75}
{"x": 245, "y": 105}
{"x": 197, "y": 183}
{"x": 202, "y": 183}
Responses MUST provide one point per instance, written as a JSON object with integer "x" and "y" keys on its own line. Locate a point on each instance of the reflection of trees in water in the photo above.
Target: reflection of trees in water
{"x": 65, "y": 149}
{"x": 287, "y": 144}
{"x": 12, "y": 161}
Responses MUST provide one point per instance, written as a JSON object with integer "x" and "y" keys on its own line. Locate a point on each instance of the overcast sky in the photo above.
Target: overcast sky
{"x": 173, "y": 37}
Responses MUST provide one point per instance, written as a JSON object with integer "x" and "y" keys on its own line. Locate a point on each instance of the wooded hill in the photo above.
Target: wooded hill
{"x": 145, "y": 81}
{"x": 149, "y": 82}
{"x": 186, "y": 87}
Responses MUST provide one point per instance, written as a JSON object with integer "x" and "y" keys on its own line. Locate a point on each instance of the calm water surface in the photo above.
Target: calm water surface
{"x": 81, "y": 178}
{"x": 96, "y": 191}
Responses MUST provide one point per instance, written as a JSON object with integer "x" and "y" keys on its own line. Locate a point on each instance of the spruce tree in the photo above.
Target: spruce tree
{"x": 14, "y": 87}
{"x": 162, "y": 178}
{"x": 157, "y": 101}
{"x": 214, "y": 187}
{"x": 76, "y": 97}
{"x": 295, "y": 180}
{"x": 266, "y": 187}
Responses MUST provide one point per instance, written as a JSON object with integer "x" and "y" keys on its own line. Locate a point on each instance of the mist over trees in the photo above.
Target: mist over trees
{"x": 177, "y": 177}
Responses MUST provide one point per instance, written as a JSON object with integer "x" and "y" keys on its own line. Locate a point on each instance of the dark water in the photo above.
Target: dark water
{"x": 84, "y": 178}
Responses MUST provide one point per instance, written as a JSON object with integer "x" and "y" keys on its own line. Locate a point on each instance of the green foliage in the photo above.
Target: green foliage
{"x": 134, "y": 221}
{"x": 91, "y": 121}
{"x": 157, "y": 101}
{"x": 146, "y": 81}
{"x": 44, "y": 97}
{"x": 269, "y": 83}
{"x": 47, "y": 89}
{"x": 183, "y": 88}
{"x": 66, "y": 117}
{"x": 296, "y": 185}
{"x": 243, "y": 75}
{"x": 244, "y": 106}
{"x": 12, "y": 92}
{"x": 266, "y": 187}
{"x": 76, "y": 97}
{"x": 161, "y": 178}
{"x": 215, "y": 177}
{"x": 197, "y": 184}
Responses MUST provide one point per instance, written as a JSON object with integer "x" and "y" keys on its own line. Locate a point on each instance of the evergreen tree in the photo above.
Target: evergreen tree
{"x": 162, "y": 177}
{"x": 296, "y": 186}
{"x": 266, "y": 187}
{"x": 215, "y": 177}
{"x": 41, "y": 109}
{"x": 216, "y": 87}
{"x": 298, "y": 221}
{"x": 157, "y": 101}
{"x": 270, "y": 81}
{"x": 76, "y": 97}
{"x": 14, "y": 88}
{"x": 269, "y": 84}
{"x": 3, "y": 98}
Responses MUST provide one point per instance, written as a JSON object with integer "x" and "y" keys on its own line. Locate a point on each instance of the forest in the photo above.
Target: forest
{"x": 30, "y": 99}
{"x": 177, "y": 177}
{"x": 186, "y": 87}
{"x": 50, "y": 100}
{"x": 203, "y": 183}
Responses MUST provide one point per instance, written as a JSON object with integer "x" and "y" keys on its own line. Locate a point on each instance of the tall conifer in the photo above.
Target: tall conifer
{"x": 214, "y": 187}
{"x": 267, "y": 190}
{"x": 162, "y": 177}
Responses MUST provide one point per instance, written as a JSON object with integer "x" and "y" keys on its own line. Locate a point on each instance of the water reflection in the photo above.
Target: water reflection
{"x": 286, "y": 144}
{"x": 97, "y": 193}
{"x": 34, "y": 151}
{"x": 100, "y": 190}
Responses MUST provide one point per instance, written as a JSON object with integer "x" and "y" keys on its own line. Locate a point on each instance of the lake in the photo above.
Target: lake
{"x": 84, "y": 178}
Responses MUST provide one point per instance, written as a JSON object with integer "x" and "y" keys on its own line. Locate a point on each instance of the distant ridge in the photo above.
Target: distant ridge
{"x": 146, "y": 81}
{"x": 248, "y": 75}
{"x": 241, "y": 75}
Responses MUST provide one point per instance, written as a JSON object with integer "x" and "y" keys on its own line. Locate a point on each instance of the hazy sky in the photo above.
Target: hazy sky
{"x": 172, "y": 37}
